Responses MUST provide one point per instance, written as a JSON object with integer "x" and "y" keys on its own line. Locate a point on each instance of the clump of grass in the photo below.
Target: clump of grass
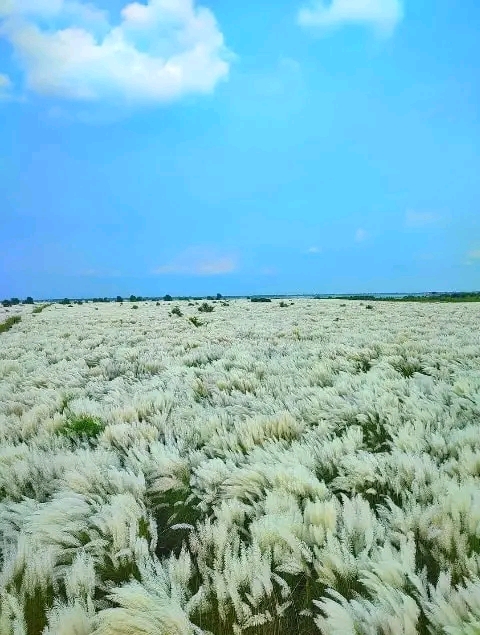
{"x": 283, "y": 304}
{"x": 206, "y": 308}
{"x": 135, "y": 306}
{"x": 9, "y": 322}
{"x": 39, "y": 308}
{"x": 195, "y": 321}
{"x": 407, "y": 368}
{"x": 201, "y": 390}
{"x": 369, "y": 306}
{"x": 82, "y": 427}
{"x": 176, "y": 311}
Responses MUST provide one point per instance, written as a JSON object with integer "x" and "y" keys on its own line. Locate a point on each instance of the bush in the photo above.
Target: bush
{"x": 195, "y": 321}
{"x": 369, "y": 306}
{"x": 9, "y": 322}
{"x": 283, "y": 304}
{"x": 82, "y": 427}
{"x": 176, "y": 311}
{"x": 205, "y": 308}
{"x": 135, "y": 306}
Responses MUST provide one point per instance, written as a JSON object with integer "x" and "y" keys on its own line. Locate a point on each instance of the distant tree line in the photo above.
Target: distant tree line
{"x": 460, "y": 296}
{"x": 15, "y": 301}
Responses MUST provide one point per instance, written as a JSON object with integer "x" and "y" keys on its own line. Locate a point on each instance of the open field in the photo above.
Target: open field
{"x": 313, "y": 468}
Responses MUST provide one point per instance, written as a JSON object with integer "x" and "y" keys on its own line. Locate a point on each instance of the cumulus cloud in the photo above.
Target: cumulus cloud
{"x": 199, "y": 262}
{"x": 420, "y": 219}
{"x": 158, "y": 52}
{"x": 383, "y": 15}
{"x": 361, "y": 235}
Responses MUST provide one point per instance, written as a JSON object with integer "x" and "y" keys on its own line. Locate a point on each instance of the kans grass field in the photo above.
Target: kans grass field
{"x": 312, "y": 468}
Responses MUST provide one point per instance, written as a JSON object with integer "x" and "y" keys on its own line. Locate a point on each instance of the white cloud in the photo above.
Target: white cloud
{"x": 361, "y": 235}
{"x": 7, "y": 89}
{"x": 158, "y": 52}
{"x": 474, "y": 254}
{"x": 383, "y": 15}
{"x": 199, "y": 262}
{"x": 314, "y": 250}
{"x": 5, "y": 82}
{"x": 6, "y": 86}
{"x": 420, "y": 219}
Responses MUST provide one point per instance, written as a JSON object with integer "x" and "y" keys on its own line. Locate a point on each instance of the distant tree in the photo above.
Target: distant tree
{"x": 6, "y": 303}
{"x": 65, "y": 301}
{"x": 14, "y": 301}
{"x": 167, "y": 298}
{"x": 119, "y": 298}
{"x": 29, "y": 300}
{"x": 219, "y": 296}
{"x": 133, "y": 298}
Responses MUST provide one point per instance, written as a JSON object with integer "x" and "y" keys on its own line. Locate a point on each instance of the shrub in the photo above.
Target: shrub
{"x": 176, "y": 311}
{"x": 195, "y": 321}
{"x": 369, "y": 306}
{"x": 9, "y": 322}
{"x": 260, "y": 300}
{"x": 135, "y": 306}
{"x": 205, "y": 308}
{"x": 82, "y": 427}
{"x": 283, "y": 304}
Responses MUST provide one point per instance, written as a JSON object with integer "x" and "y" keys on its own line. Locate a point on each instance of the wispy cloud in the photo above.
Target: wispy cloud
{"x": 157, "y": 52}
{"x": 421, "y": 219}
{"x": 314, "y": 250}
{"x": 473, "y": 256}
{"x": 199, "y": 262}
{"x": 269, "y": 271}
{"x": 361, "y": 235}
{"x": 383, "y": 15}
{"x": 100, "y": 273}
{"x": 6, "y": 87}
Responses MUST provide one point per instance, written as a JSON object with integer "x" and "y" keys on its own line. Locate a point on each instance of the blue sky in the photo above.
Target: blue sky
{"x": 193, "y": 148}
